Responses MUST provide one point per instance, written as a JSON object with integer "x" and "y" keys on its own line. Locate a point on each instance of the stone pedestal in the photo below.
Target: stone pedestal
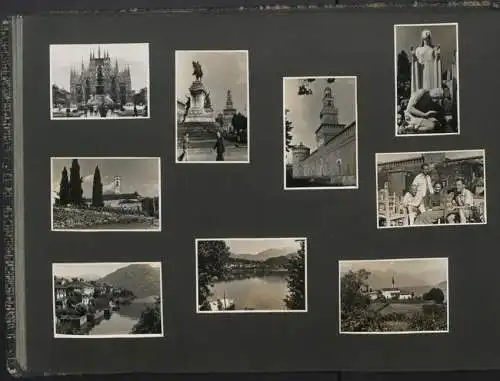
{"x": 197, "y": 112}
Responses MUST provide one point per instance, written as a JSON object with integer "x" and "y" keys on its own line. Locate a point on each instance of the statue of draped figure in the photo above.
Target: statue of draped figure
{"x": 426, "y": 69}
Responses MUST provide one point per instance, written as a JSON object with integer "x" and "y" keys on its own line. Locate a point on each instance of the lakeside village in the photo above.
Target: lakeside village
{"x": 73, "y": 211}
{"x": 226, "y": 267}
{"x": 80, "y": 305}
{"x": 364, "y": 309}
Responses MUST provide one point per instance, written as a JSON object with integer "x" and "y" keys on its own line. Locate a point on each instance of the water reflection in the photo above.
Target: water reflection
{"x": 259, "y": 293}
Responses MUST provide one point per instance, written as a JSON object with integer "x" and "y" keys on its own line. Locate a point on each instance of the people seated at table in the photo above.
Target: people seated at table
{"x": 461, "y": 210}
{"x": 434, "y": 204}
{"x": 411, "y": 203}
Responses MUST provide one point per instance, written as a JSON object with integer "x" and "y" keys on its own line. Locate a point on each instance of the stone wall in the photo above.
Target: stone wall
{"x": 335, "y": 161}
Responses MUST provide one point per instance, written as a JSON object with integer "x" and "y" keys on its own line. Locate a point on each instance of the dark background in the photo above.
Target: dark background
{"x": 198, "y": 199}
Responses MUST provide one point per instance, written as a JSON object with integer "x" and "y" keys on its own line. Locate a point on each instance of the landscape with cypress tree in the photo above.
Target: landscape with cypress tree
{"x": 113, "y": 209}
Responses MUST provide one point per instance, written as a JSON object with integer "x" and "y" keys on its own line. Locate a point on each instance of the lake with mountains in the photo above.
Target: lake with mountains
{"x": 256, "y": 281}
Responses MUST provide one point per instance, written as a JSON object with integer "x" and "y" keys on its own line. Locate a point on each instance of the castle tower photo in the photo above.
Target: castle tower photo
{"x": 99, "y": 81}
{"x": 320, "y": 133}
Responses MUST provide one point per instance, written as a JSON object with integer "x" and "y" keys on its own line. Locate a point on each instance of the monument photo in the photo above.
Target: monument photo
{"x": 107, "y": 300}
{"x": 251, "y": 275}
{"x": 394, "y": 296}
{"x": 105, "y": 194}
{"x": 106, "y": 81}
{"x": 320, "y": 133}
{"x": 438, "y": 188}
{"x": 427, "y": 79}
{"x": 212, "y": 110}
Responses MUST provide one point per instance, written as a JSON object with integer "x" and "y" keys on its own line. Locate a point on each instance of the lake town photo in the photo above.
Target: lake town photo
{"x": 394, "y": 296}
{"x": 427, "y": 80}
{"x": 95, "y": 300}
{"x": 320, "y": 133}
{"x": 251, "y": 275}
{"x": 431, "y": 188}
{"x": 212, "y": 110}
{"x": 107, "y": 81}
{"x": 112, "y": 194}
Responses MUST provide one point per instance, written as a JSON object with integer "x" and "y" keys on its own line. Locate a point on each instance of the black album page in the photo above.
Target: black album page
{"x": 260, "y": 190}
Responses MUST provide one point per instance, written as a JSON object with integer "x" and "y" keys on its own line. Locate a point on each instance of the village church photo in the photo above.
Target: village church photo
{"x": 320, "y": 133}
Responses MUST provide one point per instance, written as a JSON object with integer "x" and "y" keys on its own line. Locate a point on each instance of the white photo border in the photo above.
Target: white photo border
{"x": 448, "y": 291}
{"x": 433, "y": 225}
{"x": 128, "y": 336}
{"x": 156, "y": 230}
{"x": 247, "y": 161}
{"x": 197, "y": 308}
{"x": 348, "y": 187}
{"x": 396, "y": 80}
{"x": 148, "y": 84}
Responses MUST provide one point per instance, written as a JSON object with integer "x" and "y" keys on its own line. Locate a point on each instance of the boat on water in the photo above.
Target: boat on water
{"x": 223, "y": 304}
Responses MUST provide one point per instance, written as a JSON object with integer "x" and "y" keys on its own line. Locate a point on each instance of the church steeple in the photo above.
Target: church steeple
{"x": 329, "y": 113}
{"x": 229, "y": 100}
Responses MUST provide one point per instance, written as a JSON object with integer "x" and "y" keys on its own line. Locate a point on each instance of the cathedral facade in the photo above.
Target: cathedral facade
{"x": 101, "y": 76}
{"x": 335, "y": 159}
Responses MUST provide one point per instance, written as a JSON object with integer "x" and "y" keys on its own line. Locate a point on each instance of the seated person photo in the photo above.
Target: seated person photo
{"x": 424, "y": 112}
{"x": 462, "y": 204}
{"x": 434, "y": 207}
{"x": 411, "y": 202}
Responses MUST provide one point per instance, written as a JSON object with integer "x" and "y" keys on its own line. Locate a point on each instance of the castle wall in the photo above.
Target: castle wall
{"x": 335, "y": 161}
{"x": 400, "y": 175}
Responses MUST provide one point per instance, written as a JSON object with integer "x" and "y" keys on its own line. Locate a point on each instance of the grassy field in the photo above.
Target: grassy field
{"x": 403, "y": 308}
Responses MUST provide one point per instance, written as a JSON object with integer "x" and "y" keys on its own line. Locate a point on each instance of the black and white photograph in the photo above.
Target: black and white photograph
{"x": 106, "y": 81}
{"x": 320, "y": 145}
{"x": 251, "y": 275}
{"x": 394, "y": 296}
{"x": 212, "y": 109}
{"x": 435, "y": 188}
{"x": 107, "y": 300}
{"x": 427, "y": 80}
{"x": 106, "y": 194}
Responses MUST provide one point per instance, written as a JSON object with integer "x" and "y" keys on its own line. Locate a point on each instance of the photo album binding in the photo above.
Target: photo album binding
{"x": 141, "y": 258}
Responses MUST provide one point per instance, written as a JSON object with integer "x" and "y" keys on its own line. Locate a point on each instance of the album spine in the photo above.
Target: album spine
{"x": 12, "y": 192}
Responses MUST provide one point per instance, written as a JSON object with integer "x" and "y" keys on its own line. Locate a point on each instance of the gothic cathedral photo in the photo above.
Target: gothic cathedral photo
{"x": 99, "y": 81}
{"x": 320, "y": 144}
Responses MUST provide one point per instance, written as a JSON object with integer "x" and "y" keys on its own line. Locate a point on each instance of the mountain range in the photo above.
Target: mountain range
{"x": 412, "y": 282}
{"x": 142, "y": 279}
{"x": 266, "y": 254}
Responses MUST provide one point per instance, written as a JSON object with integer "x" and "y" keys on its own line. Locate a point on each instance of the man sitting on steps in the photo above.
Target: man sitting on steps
{"x": 424, "y": 113}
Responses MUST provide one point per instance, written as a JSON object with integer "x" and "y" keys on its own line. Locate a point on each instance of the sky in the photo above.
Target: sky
{"x": 222, "y": 71}
{"x": 65, "y": 57}
{"x": 255, "y": 246}
{"x": 443, "y": 35}
{"x": 141, "y": 175}
{"x": 305, "y": 109}
{"x": 71, "y": 270}
{"x": 436, "y": 268}
{"x": 390, "y": 157}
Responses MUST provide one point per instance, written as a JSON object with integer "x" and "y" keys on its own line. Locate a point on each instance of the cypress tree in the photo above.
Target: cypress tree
{"x": 75, "y": 184}
{"x": 64, "y": 188}
{"x": 97, "y": 199}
